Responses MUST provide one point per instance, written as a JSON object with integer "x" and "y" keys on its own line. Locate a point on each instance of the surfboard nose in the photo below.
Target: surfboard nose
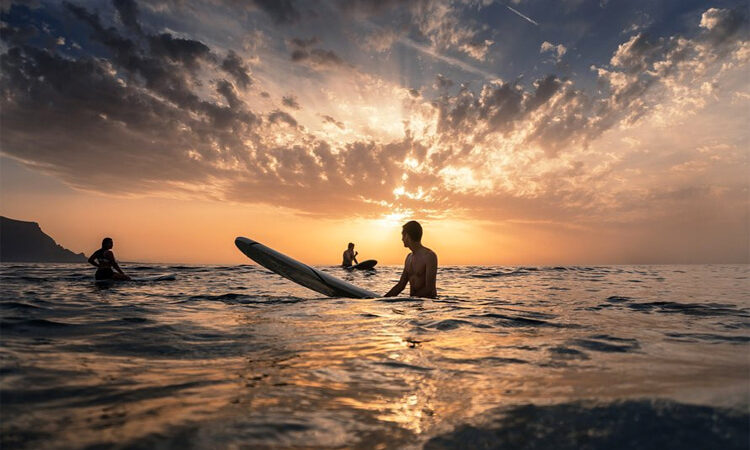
{"x": 243, "y": 242}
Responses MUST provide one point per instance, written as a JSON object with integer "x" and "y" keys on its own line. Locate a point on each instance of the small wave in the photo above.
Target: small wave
{"x": 243, "y": 299}
{"x": 613, "y": 345}
{"x": 518, "y": 321}
{"x": 691, "y": 309}
{"x": 17, "y": 305}
{"x": 618, "y": 299}
{"x": 502, "y": 273}
{"x": 400, "y": 365}
{"x": 448, "y": 324}
{"x": 16, "y": 323}
{"x": 486, "y": 361}
{"x": 670, "y": 425}
{"x": 694, "y": 337}
{"x": 567, "y": 353}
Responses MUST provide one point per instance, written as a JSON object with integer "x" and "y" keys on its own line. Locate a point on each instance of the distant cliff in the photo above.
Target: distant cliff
{"x": 26, "y": 242}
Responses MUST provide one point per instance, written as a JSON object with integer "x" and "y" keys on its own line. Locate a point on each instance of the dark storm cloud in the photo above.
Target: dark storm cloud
{"x": 127, "y": 10}
{"x": 301, "y": 43}
{"x": 234, "y": 66}
{"x": 332, "y": 121}
{"x": 184, "y": 51}
{"x": 281, "y": 116}
{"x": 722, "y": 24}
{"x": 317, "y": 57}
{"x": 290, "y": 101}
{"x": 500, "y": 107}
{"x": 282, "y": 12}
{"x": 130, "y": 122}
{"x": 373, "y": 6}
{"x": 545, "y": 89}
{"x": 226, "y": 89}
{"x": 18, "y": 35}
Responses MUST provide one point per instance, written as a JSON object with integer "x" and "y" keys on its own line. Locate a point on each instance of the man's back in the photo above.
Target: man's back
{"x": 421, "y": 268}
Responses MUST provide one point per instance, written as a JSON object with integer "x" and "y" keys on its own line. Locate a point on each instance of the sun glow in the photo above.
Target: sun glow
{"x": 394, "y": 219}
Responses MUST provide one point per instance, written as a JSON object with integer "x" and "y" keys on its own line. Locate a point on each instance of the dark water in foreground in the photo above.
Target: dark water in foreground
{"x": 236, "y": 357}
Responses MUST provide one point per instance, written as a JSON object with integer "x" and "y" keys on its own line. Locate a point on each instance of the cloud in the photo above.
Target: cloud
{"x": 558, "y": 50}
{"x": 477, "y": 49}
{"x": 187, "y": 52}
{"x": 127, "y": 11}
{"x": 283, "y": 12}
{"x": 442, "y": 82}
{"x": 303, "y": 52}
{"x": 332, "y": 121}
{"x": 301, "y": 43}
{"x": 166, "y": 114}
{"x": 439, "y": 23}
{"x": 381, "y": 40}
{"x": 290, "y": 101}
{"x": 234, "y": 66}
{"x": 321, "y": 57}
{"x": 722, "y": 23}
{"x": 279, "y": 116}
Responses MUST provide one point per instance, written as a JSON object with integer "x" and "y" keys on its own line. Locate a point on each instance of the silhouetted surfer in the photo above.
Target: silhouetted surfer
{"x": 349, "y": 256}
{"x": 104, "y": 260}
{"x": 420, "y": 267}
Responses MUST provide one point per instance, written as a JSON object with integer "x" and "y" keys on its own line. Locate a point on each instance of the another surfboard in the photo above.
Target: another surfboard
{"x": 298, "y": 272}
{"x": 364, "y": 265}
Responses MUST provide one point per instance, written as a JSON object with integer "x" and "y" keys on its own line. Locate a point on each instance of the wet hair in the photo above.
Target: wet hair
{"x": 105, "y": 241}
{"x": 414, "y": 230}
{"x": 351, "y": 245}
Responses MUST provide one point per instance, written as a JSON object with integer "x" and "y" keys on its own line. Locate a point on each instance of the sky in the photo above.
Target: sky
{"x": 520, "y": 132}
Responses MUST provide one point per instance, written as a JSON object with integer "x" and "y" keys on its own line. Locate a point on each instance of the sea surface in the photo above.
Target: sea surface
{"x": 235, "y": 357}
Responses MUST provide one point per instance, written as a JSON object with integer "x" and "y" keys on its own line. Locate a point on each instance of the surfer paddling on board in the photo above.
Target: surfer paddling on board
{"x": 349, "y": 256}
{"x": 104, "y": 261}
{"x": 420, "y": 267}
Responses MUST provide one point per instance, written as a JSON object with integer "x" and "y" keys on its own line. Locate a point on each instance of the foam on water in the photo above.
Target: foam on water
{"x": 507, "y": 357}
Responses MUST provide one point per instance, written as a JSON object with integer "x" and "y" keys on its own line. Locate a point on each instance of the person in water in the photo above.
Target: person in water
{"x": 104, "y": 261}
{"x": 420, "y": 267}
{"x": 349, "y": 256}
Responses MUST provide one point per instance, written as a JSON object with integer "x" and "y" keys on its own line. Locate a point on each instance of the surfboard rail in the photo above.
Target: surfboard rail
{"x": 299, "y": 272}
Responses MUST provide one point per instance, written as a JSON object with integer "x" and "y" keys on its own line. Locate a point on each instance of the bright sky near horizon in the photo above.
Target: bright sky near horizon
{"x": 518, "y": 132}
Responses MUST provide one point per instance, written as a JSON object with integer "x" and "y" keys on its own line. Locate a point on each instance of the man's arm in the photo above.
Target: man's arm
{"x": 395, "y": 290}
{"x": 355, "y": 257}
{"x": 92, "y": 258}
{"x": 114, "y": 263}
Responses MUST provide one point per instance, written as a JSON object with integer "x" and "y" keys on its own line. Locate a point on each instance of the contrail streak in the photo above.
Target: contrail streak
{"x": 447, "y": 59}
{"x": 525, "y": 17}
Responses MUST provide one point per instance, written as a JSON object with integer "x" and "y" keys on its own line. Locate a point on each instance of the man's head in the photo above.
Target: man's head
{"x": 351, "y": 246}
{"x": 411, "y": 232}
{"x": 107, "y": 243}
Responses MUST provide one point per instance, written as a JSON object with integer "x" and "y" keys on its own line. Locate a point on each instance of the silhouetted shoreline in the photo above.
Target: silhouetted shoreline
{"x": 22, "y": 241}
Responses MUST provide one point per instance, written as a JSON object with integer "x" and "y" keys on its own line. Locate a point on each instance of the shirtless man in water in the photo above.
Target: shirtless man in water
{"x": 104, "y": 260}
{"x": 420, "y": 267}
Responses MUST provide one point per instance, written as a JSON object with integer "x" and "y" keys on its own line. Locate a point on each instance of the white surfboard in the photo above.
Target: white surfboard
{"x": 298, "y": 272}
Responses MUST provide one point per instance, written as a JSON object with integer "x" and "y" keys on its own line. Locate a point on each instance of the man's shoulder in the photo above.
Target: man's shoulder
{"x": 429, "y": 252}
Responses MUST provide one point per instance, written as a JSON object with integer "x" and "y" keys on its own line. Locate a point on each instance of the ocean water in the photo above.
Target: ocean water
{"x": 507, "y": 357}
